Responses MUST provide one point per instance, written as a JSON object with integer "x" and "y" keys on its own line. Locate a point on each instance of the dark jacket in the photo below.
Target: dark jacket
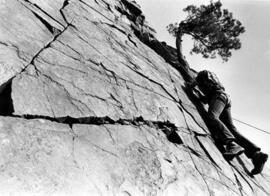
{"x": 209, "y": 85}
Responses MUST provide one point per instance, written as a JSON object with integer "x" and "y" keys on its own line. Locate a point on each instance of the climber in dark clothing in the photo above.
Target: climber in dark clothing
{"x": 219, "y": 113}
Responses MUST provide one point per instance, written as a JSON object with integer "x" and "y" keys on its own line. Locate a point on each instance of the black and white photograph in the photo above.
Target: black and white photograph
{"x": 134, "y": 97}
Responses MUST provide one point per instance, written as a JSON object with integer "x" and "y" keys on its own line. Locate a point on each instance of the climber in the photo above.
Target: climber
{"x": 219, "y": 113}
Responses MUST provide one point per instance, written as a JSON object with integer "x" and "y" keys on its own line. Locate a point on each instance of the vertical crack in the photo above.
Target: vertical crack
{"x": 201, "y": 174}
{"x": 209, "y": 191}
{"x": 110, "y": 71}
{"x": 240, "y": 187}
{"x": 233, "y": 167}
{"x": 48, "y": 100}
{"x": 133, "y": 100}
{"x": 119, "y": 104}
{"x": 206, "y": 152}
{"x": 74, "y": 136}
{"x": 110, "y": 134}
{"x": 66, "y": 2}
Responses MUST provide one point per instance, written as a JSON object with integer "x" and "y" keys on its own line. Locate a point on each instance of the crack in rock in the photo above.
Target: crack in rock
{"x": 168, "y": 128}
{"x": 66, "y": 2}
{"x": 240, "y": 187}
{"x": 6, "y": 102}
{"x": 32, "y": 61}
{"x": 206, "y": 152}
{"x": 35, "y": 6}
{"x": 202, "y": 175}
{"x": 87, "y": 5}
{"x": 51, "y": 28}
{"x": 19, "y": 53}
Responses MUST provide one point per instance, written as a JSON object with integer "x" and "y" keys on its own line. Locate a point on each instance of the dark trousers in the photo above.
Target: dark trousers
{"x": 220, "y": 118}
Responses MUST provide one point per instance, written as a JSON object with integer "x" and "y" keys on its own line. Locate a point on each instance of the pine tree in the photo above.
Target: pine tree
{"x": 214, "y": 31}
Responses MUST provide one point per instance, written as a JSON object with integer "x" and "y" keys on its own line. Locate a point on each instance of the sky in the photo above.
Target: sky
{"x": 246, "y": 76}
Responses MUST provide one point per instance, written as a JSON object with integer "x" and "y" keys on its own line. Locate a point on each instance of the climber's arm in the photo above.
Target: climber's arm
{"x": 192, "y": 86}
{"x": 201, "y": 96}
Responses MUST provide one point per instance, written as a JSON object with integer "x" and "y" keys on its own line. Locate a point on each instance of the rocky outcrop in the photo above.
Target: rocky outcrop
{"x": 88, "y": 108}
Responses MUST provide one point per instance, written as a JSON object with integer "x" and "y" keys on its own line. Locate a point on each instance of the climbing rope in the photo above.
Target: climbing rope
{"x": 252, "y": 126}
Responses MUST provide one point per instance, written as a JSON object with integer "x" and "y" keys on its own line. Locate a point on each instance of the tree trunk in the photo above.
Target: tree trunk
{"x": 184, "y": 66}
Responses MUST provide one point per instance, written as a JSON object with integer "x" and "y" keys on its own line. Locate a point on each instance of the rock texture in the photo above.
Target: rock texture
{"x": 89, "y": 107}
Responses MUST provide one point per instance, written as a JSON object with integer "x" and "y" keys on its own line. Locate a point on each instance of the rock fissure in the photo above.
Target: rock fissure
{"x": 20, "y": 54}
{"x": 225, "y": 185}
{"x": 155, "y": 82}
{"x": 113, "y": 74}
{"x": 71, "y": 48}
{"x": 63, "y": 66}
{"x": 87, "y": 5}
{"x": 104, "y": 150}
{"x": 182, "y": 108}
{"x": 6, "y": 102}
{"x": 206, "y": 152}
{"x": 240, "y": 187}
{"x": 108, "y": 6}
{"x": 52, "y": 29}
{"x": 48, "y": 100}
{"x": 71, "y": 99}
{"x": 65, "y": 3}
{"x": 82, "y": 105}
{"x": 65, "y": 54}
{"x": 114, "y": 27}
{"x": 93, "y": 120}
{"x": 110, "y": 134}
{"x": 242, "y": 176}
{"x": 116, "y": 76}
{"x": 74, "y": 136}
{"x": 118, "y": 103}
{"x": 40, "y": 9}
{"x": 248, "y": 177}
{"x": 133, "y": 98}
{"x": 201, "y": 174}
{"x": 32, "y": 61}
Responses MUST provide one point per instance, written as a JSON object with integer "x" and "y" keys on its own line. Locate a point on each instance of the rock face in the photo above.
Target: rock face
{"x": 87, "y": 108}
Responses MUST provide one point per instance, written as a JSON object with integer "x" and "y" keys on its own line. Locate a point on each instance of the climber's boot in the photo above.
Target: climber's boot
{"x": 232, "y": 150}
{"x": 258, "y": 160}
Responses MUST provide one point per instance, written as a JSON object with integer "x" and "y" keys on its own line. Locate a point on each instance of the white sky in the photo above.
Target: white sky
{"x": 246, "y": 76}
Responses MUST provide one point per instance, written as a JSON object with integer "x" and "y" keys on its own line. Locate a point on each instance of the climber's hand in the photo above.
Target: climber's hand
{"x": 189, "y": 85}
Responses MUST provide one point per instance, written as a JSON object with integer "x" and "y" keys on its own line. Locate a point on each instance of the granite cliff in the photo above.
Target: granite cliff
{"x": 93, "y": 104}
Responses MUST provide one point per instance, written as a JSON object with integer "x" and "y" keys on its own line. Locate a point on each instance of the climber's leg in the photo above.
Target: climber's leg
{"x": 251, "y": 150}
{"x": 216, "y": 107}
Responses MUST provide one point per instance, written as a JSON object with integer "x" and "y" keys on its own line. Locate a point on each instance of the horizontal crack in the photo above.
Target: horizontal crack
{"x": 168, "y": 128}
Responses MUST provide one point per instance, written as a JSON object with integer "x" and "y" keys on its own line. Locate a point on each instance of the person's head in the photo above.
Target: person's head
{"x": 201, "y": 76}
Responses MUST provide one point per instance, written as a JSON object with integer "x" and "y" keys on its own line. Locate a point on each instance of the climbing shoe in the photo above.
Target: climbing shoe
{"x": 232, "y": 150}
{"x": 258, "y": 160}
